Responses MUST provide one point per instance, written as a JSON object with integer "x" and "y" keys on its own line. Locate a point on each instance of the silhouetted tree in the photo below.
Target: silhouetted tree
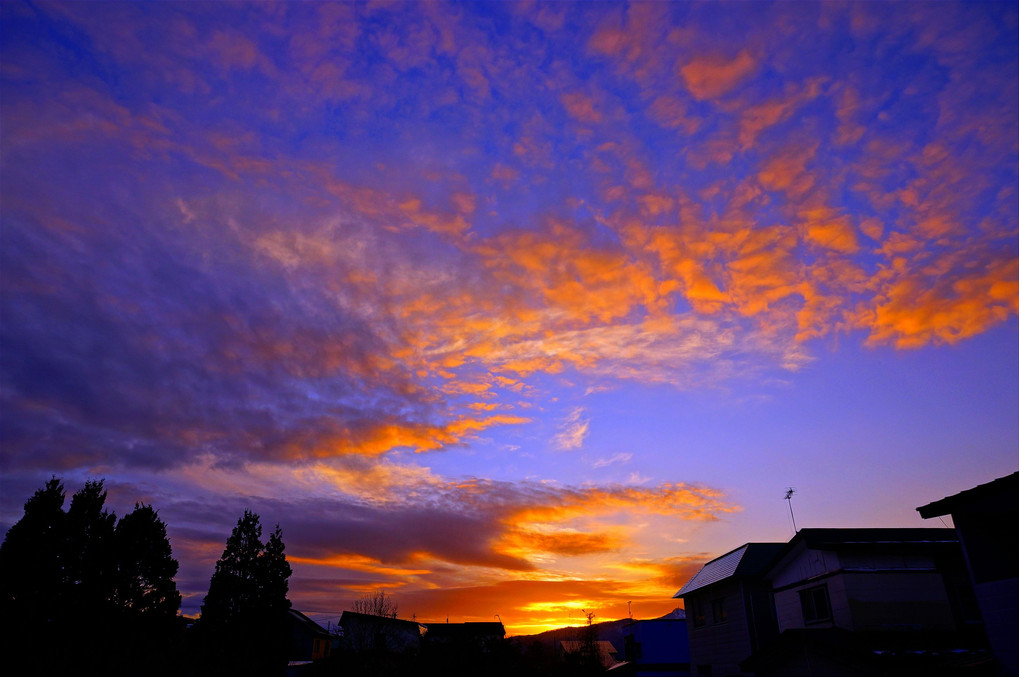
{"x": 376, "y": 603}
{"x": 89, "y": 562}
{"x": 145, "y": 597}
{"x": 31, "y": 570}
{"x": 242, "y": 628}
{"x": 83, "y": 567}
{"x": 144, "y": 586}
{"x": 32, "y": 582}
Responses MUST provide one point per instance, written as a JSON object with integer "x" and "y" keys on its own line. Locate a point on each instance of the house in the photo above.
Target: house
{"x": 729, "y": 611}
{"x": 368, "y": 633}
{"x": 309, "y": 641}
{"x": 603, "y": 652}
{"x": 870, "y": 602}
{"x": 985, "y": 520}
{"x": 477, "y": 636}
{"x": 657, "y": 647}
{"x": 867, "y": 579}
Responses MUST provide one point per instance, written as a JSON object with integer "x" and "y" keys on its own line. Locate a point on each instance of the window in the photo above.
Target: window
{"x": 816, "y": 606}
{"x": 698, "y": 613}
{"x": 718, "y": 611}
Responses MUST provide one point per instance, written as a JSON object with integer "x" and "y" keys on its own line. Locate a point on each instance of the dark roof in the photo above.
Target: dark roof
{"x": 870, "y": 538}
{"x": 1007, "y": 486}
{"x": 822, "y": 538}
{"x": 369, "y": 619}
{"x": 749, "y": 559}
{"x": 464, "y": 630}
{"x": 752, "y": 559}
{"x": 310, "y": 626}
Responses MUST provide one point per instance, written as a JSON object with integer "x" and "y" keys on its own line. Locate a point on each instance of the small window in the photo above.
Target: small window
{"x": 718, "y": 614}
{"x": 816, "y": 606}
{"x": 698, "y": 613}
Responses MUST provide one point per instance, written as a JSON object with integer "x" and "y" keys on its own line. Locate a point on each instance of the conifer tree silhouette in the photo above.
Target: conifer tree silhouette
{"x": 112, "y": 580}
{"x": 242, "y": 628}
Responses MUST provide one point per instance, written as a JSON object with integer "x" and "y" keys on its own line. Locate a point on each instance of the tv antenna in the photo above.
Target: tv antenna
{"x": 789, "y": 497}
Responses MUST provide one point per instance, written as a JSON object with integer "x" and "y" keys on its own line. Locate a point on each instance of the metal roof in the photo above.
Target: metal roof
{"x": 747, "y": 560}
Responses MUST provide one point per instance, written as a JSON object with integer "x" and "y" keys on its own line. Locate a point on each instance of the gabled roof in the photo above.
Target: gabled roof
{"x": 749, "y": 559}
{"x": 306, "y": 623}
{"x": 1007, "y": 486}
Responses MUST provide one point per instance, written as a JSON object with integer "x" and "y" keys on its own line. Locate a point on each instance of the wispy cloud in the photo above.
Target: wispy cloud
{"x": 617, "y": 458}
{"x": 572, "y": 431}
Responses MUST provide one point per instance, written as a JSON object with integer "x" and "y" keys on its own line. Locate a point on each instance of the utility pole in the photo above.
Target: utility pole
{"x": 789, "y": 497}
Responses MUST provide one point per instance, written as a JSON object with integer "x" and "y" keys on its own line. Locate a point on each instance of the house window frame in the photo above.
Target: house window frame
{"x": 718, "y": 613}
{"x": 699, "y": 621}
{"x": 808, "y": 604}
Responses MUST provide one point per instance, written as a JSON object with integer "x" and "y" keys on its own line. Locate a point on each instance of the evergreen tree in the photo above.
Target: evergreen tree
{"x": 32, "y": 584}
{"x": 242, "y": 628}
{"x": 145, "y": 597}
{"x": 90, "y": 564}
{"x": 275, "y": 572}
{"x": 145, "y": 588}
{"x": 233, "y": 590}
{"x": 83, "y": 567}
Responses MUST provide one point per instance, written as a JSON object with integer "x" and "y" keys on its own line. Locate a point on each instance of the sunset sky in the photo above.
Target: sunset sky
{"x": 508, "y": 308}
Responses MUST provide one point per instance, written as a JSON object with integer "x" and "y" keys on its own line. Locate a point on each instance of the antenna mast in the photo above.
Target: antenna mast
{"x": 789, "y": 497}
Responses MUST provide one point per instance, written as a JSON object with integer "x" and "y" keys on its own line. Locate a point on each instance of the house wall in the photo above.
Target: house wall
{"x": 803, "y": 564}
{"x": 999, "y": 601}
{"x": 898, "y": 601}
{"x": 867, "y": 590}
{"x": 719, "y": 645}
{"x": 761, "y": 610}
{"x": 789, "y": 611}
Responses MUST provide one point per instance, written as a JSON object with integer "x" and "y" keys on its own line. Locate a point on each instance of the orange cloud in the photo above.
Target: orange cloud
{"x": 561, "y": 268}
{"x": 829, "y": 228}
{"x": 787, "y": 172}
{"x": 638, "y": 41}
{"x": 504, "y": 174}
{"x": 755, "y": 118}
{"x": 670, "y": 112}
{"x": 711, "y": 77}
{"x": 916, "y": 310}
{"x": 375, "y": 438}
{"x": 560, "y": 542}
{"x": 686, "y": 501}
{"x": 581, "y": 107}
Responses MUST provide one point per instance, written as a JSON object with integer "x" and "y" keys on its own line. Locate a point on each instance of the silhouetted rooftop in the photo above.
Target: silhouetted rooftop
{"x": 749, "y": 559}
{"x": 1007, "y": 485}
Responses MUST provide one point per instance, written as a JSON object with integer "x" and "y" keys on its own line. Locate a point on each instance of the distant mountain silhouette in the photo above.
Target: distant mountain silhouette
{"x": 608, "y": 631}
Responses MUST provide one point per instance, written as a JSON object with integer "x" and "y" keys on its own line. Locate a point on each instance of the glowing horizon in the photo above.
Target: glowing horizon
{"x": 508, "y": 308}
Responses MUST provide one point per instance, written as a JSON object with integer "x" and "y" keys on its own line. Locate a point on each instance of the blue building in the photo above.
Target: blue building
{"x": 657, "y": 647}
